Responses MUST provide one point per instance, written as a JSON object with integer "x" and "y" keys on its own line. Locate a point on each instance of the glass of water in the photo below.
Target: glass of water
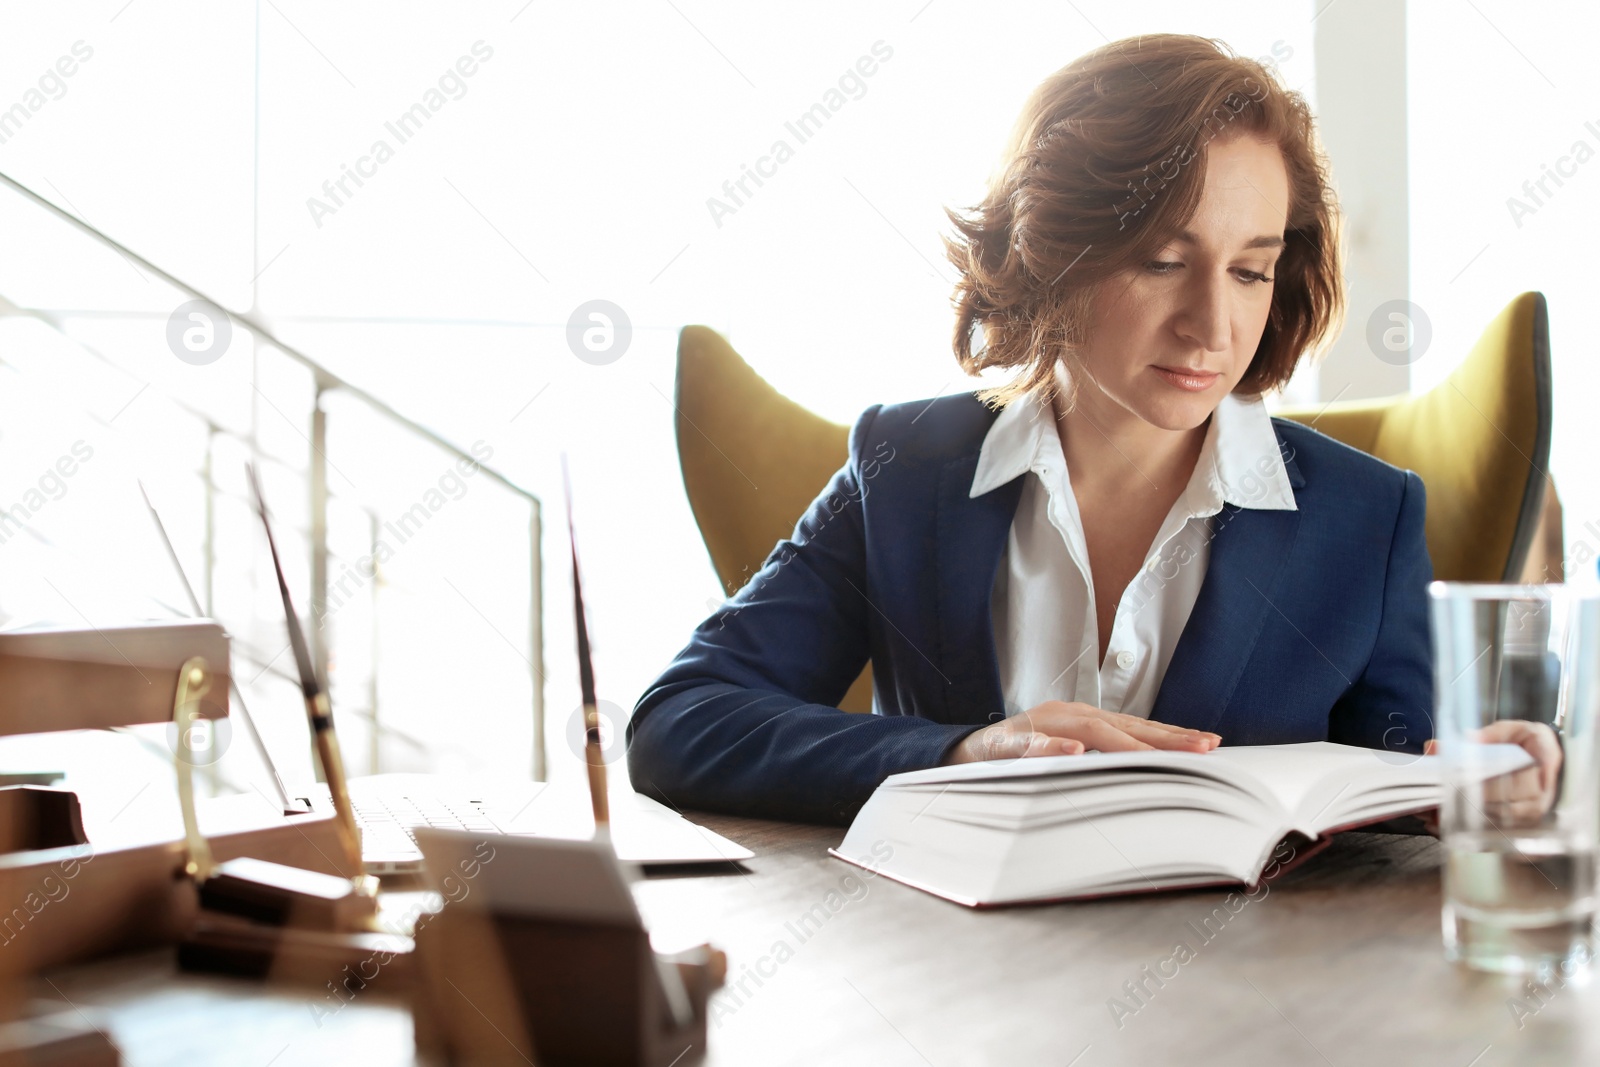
{"x": 1519, "y": 876}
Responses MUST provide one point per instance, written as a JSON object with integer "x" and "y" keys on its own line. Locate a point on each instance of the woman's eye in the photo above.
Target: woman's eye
{"x": 1170, "y": 266}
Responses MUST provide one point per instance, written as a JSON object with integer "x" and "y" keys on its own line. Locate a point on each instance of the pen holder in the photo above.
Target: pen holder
{"x": 34, "y": 817}
{"x": 258, "y": 918}
{"x": 259, "y": 890}
{"x": 494, "y": 988}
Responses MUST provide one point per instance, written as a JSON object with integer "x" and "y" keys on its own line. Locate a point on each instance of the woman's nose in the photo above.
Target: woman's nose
{"x": 1206, "y": 320}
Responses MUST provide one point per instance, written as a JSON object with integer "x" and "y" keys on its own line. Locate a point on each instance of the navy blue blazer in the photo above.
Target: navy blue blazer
{"x": 1310, "y": 625}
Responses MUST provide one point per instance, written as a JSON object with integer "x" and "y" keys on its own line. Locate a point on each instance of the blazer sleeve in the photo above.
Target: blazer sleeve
{"x": 743, "y": 720}
{"x": 1391, "y": 705}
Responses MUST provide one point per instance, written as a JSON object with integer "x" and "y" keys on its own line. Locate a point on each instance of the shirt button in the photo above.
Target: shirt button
{"x": 1124, "y": 660}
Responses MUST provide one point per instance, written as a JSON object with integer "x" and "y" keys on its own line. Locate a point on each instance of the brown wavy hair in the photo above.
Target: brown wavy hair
{"x": 1106, "y": 164}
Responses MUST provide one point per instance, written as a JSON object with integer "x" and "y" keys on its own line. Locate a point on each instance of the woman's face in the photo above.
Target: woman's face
{"x": 1169, "y": 339}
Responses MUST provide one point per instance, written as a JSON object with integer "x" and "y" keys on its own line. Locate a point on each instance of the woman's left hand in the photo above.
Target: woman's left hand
{"x": 1520, "y": 798}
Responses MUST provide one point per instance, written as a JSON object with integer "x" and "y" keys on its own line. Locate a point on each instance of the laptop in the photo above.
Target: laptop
{"x": 390, "y": 808}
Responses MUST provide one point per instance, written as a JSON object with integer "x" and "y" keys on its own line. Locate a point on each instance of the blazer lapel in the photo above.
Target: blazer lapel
{"x": 1247, "y": 557}
{"x": 971, "y": 535}
{"x": 1248, "y": 552}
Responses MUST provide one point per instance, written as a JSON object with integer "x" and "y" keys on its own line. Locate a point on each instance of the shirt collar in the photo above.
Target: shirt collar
{"x": 1248, "y": 461}
{"x": 1240, "y": 462}
{"x": 1013, "y": 443}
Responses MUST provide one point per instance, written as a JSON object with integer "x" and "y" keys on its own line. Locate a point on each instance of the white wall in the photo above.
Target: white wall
{"x": 1361, "y": 117}
{"x": 1499, "y": 92}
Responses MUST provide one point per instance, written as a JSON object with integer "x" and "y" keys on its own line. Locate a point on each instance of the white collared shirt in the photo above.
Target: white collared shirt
{"x": 1043, "y": 604}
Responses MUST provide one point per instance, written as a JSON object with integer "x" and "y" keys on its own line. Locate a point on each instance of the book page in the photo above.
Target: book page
{"x": 1323, "y": 785}
{"x": 1053, "y": 773}
{"x": 1307, "y": 779}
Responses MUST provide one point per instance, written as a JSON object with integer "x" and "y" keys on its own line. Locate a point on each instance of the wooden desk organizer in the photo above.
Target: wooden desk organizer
{"x": 47, "y": 1036}
{"x": 539, "y": 954}
{"x": 91, "y": 679}
{"x": 336, "y": 965}
{"x": 34, "y": 817}
{"x": 77, "y": 902}
{"x": 71, "y": 899}
{"x": 513, "y": 989}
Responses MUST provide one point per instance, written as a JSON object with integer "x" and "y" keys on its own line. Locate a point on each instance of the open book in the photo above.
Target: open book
{"x": 1058, "y": 827}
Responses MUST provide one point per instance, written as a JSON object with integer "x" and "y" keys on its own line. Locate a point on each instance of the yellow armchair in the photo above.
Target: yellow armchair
{"x": 1480, "y": 440}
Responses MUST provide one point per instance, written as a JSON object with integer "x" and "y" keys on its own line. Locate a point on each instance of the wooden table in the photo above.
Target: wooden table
{"x": 1336, "y": 963}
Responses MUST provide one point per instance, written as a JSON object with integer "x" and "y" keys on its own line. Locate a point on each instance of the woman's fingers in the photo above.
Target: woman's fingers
{"x": 1161, "y": 735}
{"x": 1068, "y": 720}
{"x": 1057, "y": 728}
{"x": 1527, "y": 811}
{"x": 998, "y": 742}
{"x": 1102, "y": 736}
{"x": 1539, "y": 741}
{"x": 1165, "y": 727}
{"x": 1523, "y": 797}
{"x": 1047, "y": 745}
{"x": 1007, "y": 743}
{"x": 1526, "y": 784}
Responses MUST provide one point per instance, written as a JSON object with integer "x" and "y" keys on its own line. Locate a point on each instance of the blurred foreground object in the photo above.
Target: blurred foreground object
{"x": 69, "y": 678}
{"x": 1518, "y": 663}
{"x": 539, "y": 955}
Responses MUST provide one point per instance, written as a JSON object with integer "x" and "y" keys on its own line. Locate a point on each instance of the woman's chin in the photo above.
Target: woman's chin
{"x": 1177, "y": 413}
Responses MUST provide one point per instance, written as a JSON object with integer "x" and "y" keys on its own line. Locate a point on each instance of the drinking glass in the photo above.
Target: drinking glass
{"x": 1519, "y": 877}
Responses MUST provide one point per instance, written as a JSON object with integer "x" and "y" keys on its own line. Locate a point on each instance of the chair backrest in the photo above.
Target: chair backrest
{"x": 1480, "y": 440}
{"x": 753, "y": 460}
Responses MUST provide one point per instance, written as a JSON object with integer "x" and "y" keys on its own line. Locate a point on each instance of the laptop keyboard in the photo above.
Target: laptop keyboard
{"x": 387, "y": 822}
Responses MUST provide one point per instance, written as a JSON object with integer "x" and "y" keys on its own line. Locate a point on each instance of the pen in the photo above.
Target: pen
{"x": 592, "y": 754}
{"x": 317, "y": 707}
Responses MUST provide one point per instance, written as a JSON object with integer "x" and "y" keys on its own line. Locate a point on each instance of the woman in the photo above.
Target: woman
{"x": 1118, "y": 549}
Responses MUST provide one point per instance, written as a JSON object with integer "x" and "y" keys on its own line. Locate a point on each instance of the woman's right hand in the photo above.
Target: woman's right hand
{"x": 1057, "y": 728}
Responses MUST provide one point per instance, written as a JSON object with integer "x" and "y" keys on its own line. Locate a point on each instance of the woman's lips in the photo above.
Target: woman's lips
{"x": 1190, "y": 381}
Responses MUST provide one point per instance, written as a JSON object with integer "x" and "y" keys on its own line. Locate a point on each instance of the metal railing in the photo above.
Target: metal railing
{"x": 325, "y": 383}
